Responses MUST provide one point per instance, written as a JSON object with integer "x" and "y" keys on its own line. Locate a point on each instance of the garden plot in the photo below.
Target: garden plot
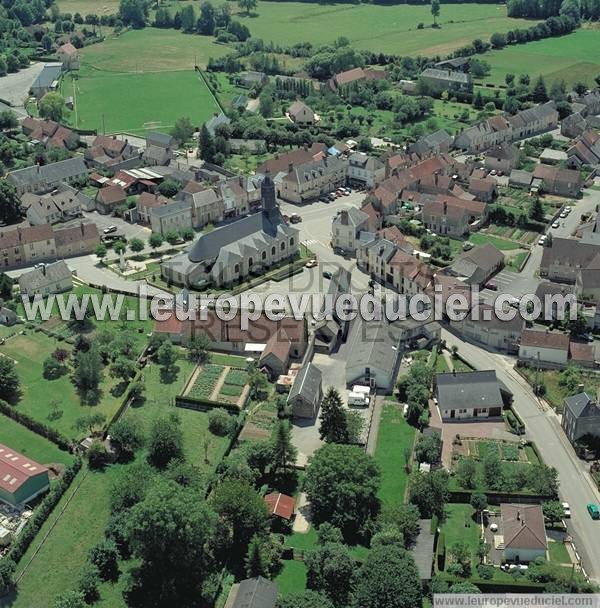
{"x": 218, "y": 383}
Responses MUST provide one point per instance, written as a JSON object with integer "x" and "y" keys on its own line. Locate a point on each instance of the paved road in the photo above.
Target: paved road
{"x": 543, "y": 427}
{"x": 14, "y": 88}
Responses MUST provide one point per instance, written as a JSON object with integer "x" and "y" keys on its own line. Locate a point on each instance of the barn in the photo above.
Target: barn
{"x": 21, "y": 479}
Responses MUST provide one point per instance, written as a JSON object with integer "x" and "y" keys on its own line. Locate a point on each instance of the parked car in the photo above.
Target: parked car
{"x": 491, "y": 285}
{"x": 467, "y": 245}
{"x": 593, "y": 510}
{"x": 563, "y": 215}
{"x": 542, "y": 239}
{"x": 556, "y": 225}
{"x": 110, "y": 229}
{"x": 327, "y": 275}
{"x": 295, "y": 218}
{"x": 567, "y": 509}
{"x": 311, "y": 263}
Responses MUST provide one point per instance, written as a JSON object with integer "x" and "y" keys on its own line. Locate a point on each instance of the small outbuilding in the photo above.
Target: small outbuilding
{"x": 280, "y": 505}
{"x": 307, "y": 392}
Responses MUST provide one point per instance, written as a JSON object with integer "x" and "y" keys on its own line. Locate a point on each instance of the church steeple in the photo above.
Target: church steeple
{"x": 267, "y": 195}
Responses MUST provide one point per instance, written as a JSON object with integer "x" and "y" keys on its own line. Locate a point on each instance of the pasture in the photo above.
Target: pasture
{"x": 385, "y": 29}
{"x": 574, "y": 57}
{"x": 134, "y": 103}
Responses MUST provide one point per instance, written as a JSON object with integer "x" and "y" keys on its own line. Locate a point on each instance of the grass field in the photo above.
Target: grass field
{"x": 30, "y": 444}
{"x": 395, "y": 436}
{"x": 502, "y": 244}
{"x": 38, "y": 394}
{"x": 292, "y": 578}
{"x": 459, "y": 526}
{"x": 570, "y": 58}
{"x": 137, "y": 102}
{"x": 386, "y": 29}
{"x": 152, "y": 50}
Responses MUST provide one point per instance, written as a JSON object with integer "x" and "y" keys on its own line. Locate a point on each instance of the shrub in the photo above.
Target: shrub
{"x": 219, "y": 422}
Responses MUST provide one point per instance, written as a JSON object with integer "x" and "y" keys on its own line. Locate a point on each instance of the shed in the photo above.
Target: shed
{"x": 306, "y": 393}
{"x": 281, "y": 505}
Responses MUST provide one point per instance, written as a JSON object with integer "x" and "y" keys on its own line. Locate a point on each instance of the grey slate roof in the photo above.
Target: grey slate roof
{"x": 162, "y": 140}
{"x": 446, "y": 75}
{"x": 354, "y": 215}
{"x": 457, "y": 390}
{"x": 256, "y": 593}
{"x": 374, "y": 344}
{"x": 171, "y": 208}
{"x": 47, "y": 76}
{"x": 217, "y": 121}
{"x": 307, "y": 383}
{"x": 38, "y": 277}
{"x": 52, "y": 173}
{"x": 582, "y": 406}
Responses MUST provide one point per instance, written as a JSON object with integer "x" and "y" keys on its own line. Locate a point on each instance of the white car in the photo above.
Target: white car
{"x": 566, "y": 509}
{"x": 311, "y": 263}
{"x": 542, "y": 239}
{"x": 556, "y": 225}
{"x": 563, "y": 215}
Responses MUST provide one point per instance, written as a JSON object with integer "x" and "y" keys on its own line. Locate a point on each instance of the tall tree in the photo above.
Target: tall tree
{"x": 51, "y": 106}
{"x": 539, "y": 93}
{"x": 166, "y": 441}
{"x": 435, "y": 11}
{"x": 10, "y": 204}
{"x": 284, "y": 452}
{"x": 247, "y": 5}
{"x": 334, "y": 424}
{"x": 207, "y": 145}
{"x": 257, "y": 561}
{"x": 183, "y": 129}
{"x": 330, "y": 571}
{"x": 9, "y": 379}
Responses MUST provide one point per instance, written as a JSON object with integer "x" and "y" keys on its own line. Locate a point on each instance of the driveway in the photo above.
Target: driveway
{"x": 14, "y": 88}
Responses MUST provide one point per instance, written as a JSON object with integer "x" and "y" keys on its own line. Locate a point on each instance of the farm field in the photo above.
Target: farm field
{"x": 385, "y": 29}
{"x": 572, "y": 58}
{"x": 28, "y": 443}
{"x": 134, "y": 103}
{"x": 395, "y": 436}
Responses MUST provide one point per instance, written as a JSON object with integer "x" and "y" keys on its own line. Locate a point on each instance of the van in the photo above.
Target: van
{"x": 363, "y": 390}
{"x": 358, "y": 399}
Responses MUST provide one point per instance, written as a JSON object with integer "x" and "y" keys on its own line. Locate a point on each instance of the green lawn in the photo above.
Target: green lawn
{"x": 502, "y": 244}
{"x": 56, "y": 567}
{"x": 152, "y": 50}
{"x": 305, "y": 541}
{"x": 28, "y": 443}
{"x": 231, "y": 360}
{"x": 112, "y": 101}
{"x": 395, "y": 436}
{"x": 515, "y": 262}
{"x": 292, "y": 578}
{"x": 160, "y": 397}
{"x": 40, "y": 397}
{"x": 459, "y": 526}
{"x": 386, "y": 29}
{"x": 571, "y": 58}
{"x": 441, "y": 365}
{"x": 558, "y": 553}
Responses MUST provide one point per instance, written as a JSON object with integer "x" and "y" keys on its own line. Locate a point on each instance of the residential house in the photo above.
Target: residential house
{"x": 275, "y": 358}
{"x": 585, "y": 151}
{"x": 307, "y": 182}
{"x": 216, "y": 121}
{"x": 564, "y": 258}
{"x": 376, "y": 354}
{"x": 47, "y": 80}
{"x": 208, "y": 207}
{"x": 365, "y": 170}
{"x": 451, "y": 216}
{"x": 58, "y": 206}
{"x": 111, "y": 153}
{"x": 550, "y": 156}
{"x": 253, "y": 79}
{"x": 160, "y": 148}
{"x": 589, "y": 103}
{"x": 21, "y": 479}
{"x": 559, "y": 181}
{"x": 44, "y": 178}
{"x": 478, "y": 265}
{"x": 109, "y": 198}
{"x": 240, "y": 195}
{"x": 484, "y": 135}
{"x": 544, "y": 348}
{"x": 146, "y": 202}
{"x": 533, "y": 121}
{"x": 520, "y": 179}
{"x": 301, "y": 114}
{"x": 332, "y": 327}
{"x": 437, "y": 81}
{"x": 252, "y": 593}
{"x": 355, "y": 75}
{"x": 69, "y": 56}
{"x": 296, "y": 157}
{"x": 50, "y": 133}
{"x": 523, "y": 532}
{"x": 502, "y": 158}
{"x": 581, "y": 416}
{"x": 47, "y": 279}
{"x": 573, "y": 126}
{"x": 484, "y": 189}
{"x": 555, "y": 299}
{"x": 346, "y": 228}
{"x": 482, "y": 326}
{"x": 245, "y": 247}
{"x": 77, "y": 239}
{"x": 435, "y": 143}
{"x": 462, "y": 395}
{"x": 174, "y": 217}
{"x": 23, "y": 245}
{"x": 306, "y": 393}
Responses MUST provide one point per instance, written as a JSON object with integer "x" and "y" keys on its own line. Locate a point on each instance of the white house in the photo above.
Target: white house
{"x": 544, "y": 347}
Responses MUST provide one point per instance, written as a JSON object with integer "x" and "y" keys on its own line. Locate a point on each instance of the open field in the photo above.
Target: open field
{"x": 41, "y": 398}
{"x": 395, "y": 436}
{"x": 570, "y": 58}
{"x": 137, "y": 102}
{"x": 152, "y": 50}
{"x": 385, "y": 29}
{"x": 85, "y": 7}
{"x": 292, "y": 578}
{"x": 30, "y": 444}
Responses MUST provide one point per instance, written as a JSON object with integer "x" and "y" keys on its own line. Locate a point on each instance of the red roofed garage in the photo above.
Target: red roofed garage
{"x": 21, "y": 479}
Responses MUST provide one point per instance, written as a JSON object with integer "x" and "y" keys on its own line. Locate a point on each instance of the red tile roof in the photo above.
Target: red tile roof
{"x": 16, "y": 469}
{"x": 281, "y": 505}
{"x": 544, "y": 339}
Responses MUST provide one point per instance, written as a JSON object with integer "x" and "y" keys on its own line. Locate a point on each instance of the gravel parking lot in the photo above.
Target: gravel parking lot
{"x": 14, "y": 88}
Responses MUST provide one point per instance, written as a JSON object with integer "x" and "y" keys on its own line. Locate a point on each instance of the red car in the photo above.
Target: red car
{"x": 491, "y": 285}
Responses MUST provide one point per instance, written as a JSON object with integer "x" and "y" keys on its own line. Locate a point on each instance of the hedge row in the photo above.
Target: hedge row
{"x": 203, "y": 405}
{"x": 42, "y": 512}
{"x": 37, "y": 427}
